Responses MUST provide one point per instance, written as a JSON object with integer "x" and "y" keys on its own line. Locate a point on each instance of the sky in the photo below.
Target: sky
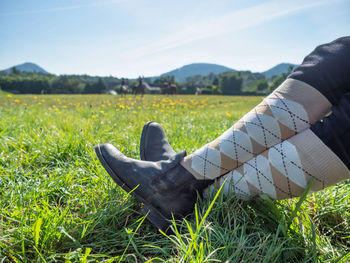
{"x": 128, "y": 38}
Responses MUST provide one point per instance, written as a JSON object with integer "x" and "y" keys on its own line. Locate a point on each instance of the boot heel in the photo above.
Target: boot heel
{"x": 155, "y": 217}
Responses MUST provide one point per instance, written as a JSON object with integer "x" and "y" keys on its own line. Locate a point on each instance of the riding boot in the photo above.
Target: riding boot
{"x": 154, "y": 145}
{"x": 166, "y": 189}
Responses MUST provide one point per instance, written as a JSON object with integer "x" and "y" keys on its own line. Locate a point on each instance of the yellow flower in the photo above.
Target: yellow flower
{"x": 134, "y": 112}
{"x": 64, "y": 107}
{"x": 228, "y": 115}
{"x": 93, "y": 116}
{"x": 101, "y": 111}
{"x": 57, "y": 109}
{"x": 17, "y": 101}
{"x": 9, "y": 95}
{"x": 35, "y": 98}
{"x": 50, "y": 109}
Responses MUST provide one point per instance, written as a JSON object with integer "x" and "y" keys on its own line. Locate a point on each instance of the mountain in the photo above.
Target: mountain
{"x": 278, "y": 70}
{"x": 193, "y": 69}
{"x": 28, "y": 67}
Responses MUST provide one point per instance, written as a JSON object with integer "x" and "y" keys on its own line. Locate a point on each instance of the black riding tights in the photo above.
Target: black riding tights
{"x": 327, "y": 69}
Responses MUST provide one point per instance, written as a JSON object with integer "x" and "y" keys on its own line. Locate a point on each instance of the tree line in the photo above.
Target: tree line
{"x": 228, "y": 83}
{"x": 32, "y": 83}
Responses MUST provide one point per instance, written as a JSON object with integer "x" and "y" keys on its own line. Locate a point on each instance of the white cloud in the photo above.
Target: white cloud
{"x": 62, "y": 8}
{"x": 223, "y": 24}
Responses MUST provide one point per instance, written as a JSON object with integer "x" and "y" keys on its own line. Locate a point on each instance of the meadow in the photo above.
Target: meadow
{"x": 57, "y": 203}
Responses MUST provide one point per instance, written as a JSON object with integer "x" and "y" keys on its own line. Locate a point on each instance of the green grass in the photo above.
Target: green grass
{"x": 57, "y": 203}
{"x": 2, "y": 92}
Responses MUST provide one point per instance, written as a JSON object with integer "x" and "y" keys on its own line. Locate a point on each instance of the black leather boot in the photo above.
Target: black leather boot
{"x": 154, "y": 145}
{"x": 165, "y": 187}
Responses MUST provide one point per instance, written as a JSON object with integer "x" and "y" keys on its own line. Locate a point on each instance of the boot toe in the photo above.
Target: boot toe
{"x": 108, "y": 152}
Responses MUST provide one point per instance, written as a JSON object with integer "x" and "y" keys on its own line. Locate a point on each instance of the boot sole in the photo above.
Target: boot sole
{"x": 152, "y": 214}
{"x": 142, "y": 143}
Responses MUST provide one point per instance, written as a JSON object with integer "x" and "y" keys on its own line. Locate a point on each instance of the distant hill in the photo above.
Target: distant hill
{"x": 27, "y": 67}
{"x": 202, "y": 69}
{"x": 278, "y": 70}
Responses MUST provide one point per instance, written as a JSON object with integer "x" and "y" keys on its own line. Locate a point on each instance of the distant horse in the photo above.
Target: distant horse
{"x": 123, "y": 90}
{"x": 169, "y": 89}
{"x": 139, "y": 89}
{"x": 172, "y": 90}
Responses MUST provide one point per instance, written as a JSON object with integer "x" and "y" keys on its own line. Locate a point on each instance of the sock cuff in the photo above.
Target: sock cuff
{"x": 315, "y": 104}
{"x": 319, "y": 160}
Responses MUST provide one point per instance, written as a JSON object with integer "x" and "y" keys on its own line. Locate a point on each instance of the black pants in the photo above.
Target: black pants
{"x": 327, "y": 69}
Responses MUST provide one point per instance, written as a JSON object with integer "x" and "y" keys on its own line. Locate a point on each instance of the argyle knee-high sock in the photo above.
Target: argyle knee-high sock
{"x": 284, "y": 170}
{"x": 293, "y": 107}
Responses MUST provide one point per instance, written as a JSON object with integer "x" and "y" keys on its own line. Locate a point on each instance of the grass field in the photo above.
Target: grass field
{"x": 57, "y": 203}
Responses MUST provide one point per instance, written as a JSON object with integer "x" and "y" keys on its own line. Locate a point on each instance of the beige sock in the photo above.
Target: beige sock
{"x": 284, "y": 170}
{"x": 293, "y": 107}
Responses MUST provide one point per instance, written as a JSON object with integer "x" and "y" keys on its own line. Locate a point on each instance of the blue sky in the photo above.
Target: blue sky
{"x": 150, "y": 37}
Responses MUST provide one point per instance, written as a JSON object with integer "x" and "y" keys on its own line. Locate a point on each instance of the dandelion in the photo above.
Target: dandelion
{"x": 139, "y": 108}
{"x": 39, "y": 103}
{"x": 9, "y": 95}
{"x": 134, "y": 112}
{"x": 228, "y": 115}
{"x": 17, "y": 101}
{"x": 57, "y": 110}
{"x": 93, "y": 116}
{"x": 64, "y": 107}
{"x": 102, "y": 105}
{"x": 102, "y": 112}
{"x": 35, "y": 98}
{"x": 50, "y": 109}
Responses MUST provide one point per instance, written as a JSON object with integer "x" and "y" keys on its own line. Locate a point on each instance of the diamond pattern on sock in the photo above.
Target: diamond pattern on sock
{"x": 280, "y": 157}
{"x": 259, "y": 175}
{"x": 274, "y": 120}
{"x": 237, "y": 145}
{"x": 206, "y": 162}
{"x": 289, "y": 113}
{"x": 236, "y": 183}
{"x": 262, "y": 128}
{"x": 278, "y": 172}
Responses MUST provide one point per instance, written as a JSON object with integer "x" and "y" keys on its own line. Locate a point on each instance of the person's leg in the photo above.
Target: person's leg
{"x": 327, "y": 69}
{"x": 334, "y": 130}
{"x": 167, "y": 187}
{"x": 293, "y": 107}
{"x": 321, "y": 153}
